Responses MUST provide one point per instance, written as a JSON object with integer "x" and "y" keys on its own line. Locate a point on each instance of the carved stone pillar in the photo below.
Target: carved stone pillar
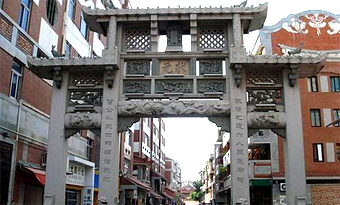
{"x": 112, "y": 33}
{"x": 174, "y": 37}
{"x": 237, "y": 28}
{"x": 293, "y": 144}
{"x": 154, "y": 33}
{"x": 109, "y": 144}
{"x": 239, "y": 142}
{"x": 193, "y": 32}
{"x": 57, "y": 146}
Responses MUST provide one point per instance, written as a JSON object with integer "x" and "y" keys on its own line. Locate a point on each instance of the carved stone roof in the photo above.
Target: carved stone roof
{"x": 255, "y": 15}
{"x": 43, "y": 67}
{"x": 308, "y": 65}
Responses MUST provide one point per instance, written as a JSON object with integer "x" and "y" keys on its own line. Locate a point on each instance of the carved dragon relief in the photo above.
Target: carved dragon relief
{"x": 83, "y": 120}
{"x": 266, "y": 120}
{"x": 173, "y": 108}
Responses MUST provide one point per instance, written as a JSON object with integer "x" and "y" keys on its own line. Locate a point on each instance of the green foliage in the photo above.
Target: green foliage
{"x": 197, "y": 194}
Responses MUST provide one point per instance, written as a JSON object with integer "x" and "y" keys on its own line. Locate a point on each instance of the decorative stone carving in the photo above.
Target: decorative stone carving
{"x": 174, "y": 35}
{"x": 137, "y": 37}
{"x": 334, "y": 27}
{"x": 84, "y": 78}
{"x": 124, "y": 123}
{"x": 263, "y": 77}
{"x": 211, "y": 67}
{"x": 174, "y": 86}
{"x": 295, "y": 26}
{"x": 83, "y": 120}
{"x": 212, "y": 36}
{"x": 222, "y": 122}
{"x": 109, "y": 76}
{"x": 86, "y": 98}
{"x": 211, "y": 86}
{"x": 266, "y": 120}
{"x": 135, "y": 86}
{"x": 58, "y": 78}
{"x": 264, "y": 96}
{"x": 237, "y": 74}
{"x": 173, "y": 108}
{"x": 317, "y": 21}
{"x": 138, "y": 67}
{"x": 174, "y": 67}
{"x": 293, "y": 76}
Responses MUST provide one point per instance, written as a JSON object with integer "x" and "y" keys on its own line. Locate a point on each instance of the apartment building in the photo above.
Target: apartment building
{"x": 41, "y": 28}
{"x": 173, "y": 173}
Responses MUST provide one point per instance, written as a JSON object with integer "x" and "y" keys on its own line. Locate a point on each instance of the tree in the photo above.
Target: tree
{"x": 197, "y": 194}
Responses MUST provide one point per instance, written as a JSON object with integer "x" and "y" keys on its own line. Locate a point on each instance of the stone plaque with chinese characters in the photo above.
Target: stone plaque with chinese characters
{"x": 174, "y": 67}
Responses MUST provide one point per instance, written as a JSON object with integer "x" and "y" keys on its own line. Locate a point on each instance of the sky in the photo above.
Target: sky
{"x": 190, "y": 141}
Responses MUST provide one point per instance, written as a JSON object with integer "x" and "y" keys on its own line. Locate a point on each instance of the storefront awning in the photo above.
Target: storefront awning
{"x": 154, "y": 194}
{"x": 37, "y": 173}
{"x": 136, "y": 182}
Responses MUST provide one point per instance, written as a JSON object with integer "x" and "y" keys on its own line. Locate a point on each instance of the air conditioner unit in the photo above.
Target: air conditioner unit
{"x": 282, "y": 186}
{"x": 43, "y": 159}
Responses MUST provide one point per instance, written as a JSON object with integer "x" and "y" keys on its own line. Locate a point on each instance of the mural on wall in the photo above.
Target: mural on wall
{"x": 316, "y": 21}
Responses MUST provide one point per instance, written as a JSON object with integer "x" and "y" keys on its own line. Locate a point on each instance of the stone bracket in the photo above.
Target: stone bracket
{"x": 124, "y": 123}
{"x": 292, "y": 76}
{"x": 280, "y": 132}
{"x": 57, "y": 77}
{"x": 222, "y": 122}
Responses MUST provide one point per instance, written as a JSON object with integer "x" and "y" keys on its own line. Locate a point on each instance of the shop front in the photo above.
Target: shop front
{"x": 79, "y": 182}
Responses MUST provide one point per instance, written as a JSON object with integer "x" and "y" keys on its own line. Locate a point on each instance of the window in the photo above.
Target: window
{"x": 68, "y": 49}
{"x": 338, "y": 151}
{"x": 313, "y": 84}
{"x": 128, "y": 137}
{"x": 24, "y": 14}
{"x": 89, "y": 148}
{"x": 163, "y": 141}
{"x": 318, "y": 152}
{"x": 315, "y": 118}
{"x": 1, "y": 2}
{"x": 51, "y": 11}
{"x": 146, "y": 139}
{"x": 335, "y": 83}
{"x": 16, "y": 80}
{"x": 336, "y": 116}
{"x": 72, "y": 9}
{"x": 83, "y": 28}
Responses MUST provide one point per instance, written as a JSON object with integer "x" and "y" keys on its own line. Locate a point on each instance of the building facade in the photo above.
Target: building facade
{"x": 310, "y": 33}
{"x": 40, "y": 28}
{"x": 304, "y": 34}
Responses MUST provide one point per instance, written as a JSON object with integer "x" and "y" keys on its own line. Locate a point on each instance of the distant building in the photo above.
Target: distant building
{"x": 173, "y": 173}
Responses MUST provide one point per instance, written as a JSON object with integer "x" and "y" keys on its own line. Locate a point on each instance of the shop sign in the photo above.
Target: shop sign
{"x": 75, "y": 175}
{"x": 87, "y": 198}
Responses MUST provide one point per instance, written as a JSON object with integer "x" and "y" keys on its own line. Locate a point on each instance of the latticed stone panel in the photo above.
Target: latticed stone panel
{"x": 212, "y": 36}
{"x": 137, "y": 37}
{"x": 87, "y": 79}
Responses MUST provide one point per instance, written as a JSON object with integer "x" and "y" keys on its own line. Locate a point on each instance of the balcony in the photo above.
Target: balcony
{"x": 260, "y": 169}
{"x": 16, "y": 41}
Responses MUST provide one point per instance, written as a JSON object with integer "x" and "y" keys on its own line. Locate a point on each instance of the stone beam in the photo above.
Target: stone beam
{"x": 174, "y": 108}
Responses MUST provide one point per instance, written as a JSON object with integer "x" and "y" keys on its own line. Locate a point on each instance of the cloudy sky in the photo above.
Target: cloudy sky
{"x": 190, "y": 140}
